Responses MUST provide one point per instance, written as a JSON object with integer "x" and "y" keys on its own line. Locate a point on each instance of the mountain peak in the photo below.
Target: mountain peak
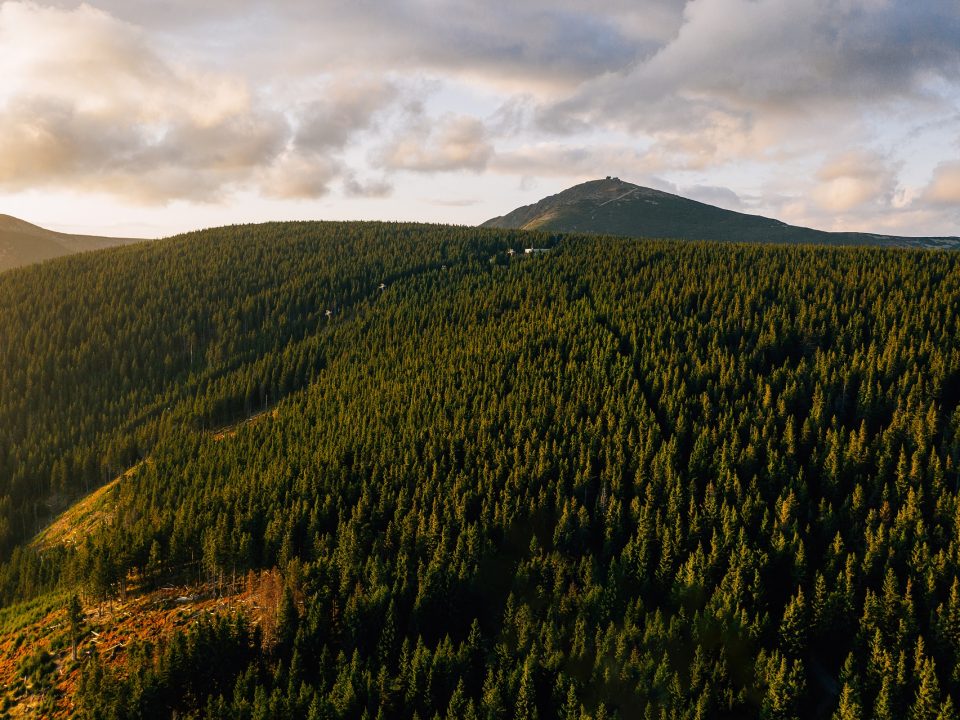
{"x": 606, "y": 189}
{"x": 9, "y": 222}
{"x": 22, "y": 243}
{"x": 611, "y": 206}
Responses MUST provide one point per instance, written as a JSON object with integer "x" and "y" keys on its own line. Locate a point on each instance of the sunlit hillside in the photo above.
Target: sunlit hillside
{"x": 615, "y": 478}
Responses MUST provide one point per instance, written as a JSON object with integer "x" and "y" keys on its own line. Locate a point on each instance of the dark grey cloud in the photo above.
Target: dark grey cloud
{"x": 561, "y": 41}
{"x": 742, "y": 59}
{"x": 344, "y": 107}
{"x": 366, "y": 188}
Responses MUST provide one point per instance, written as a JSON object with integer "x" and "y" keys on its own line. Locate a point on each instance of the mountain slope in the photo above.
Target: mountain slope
{"x": 614, "y": 207}
{"x": 619, "y": 479}
{"x": 22, "y": 243}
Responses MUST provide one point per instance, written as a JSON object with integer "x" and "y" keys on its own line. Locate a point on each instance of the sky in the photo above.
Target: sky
{"x": 148, "y": 118}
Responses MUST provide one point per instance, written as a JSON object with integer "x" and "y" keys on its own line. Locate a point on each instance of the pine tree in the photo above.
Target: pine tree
{"x": 526, "y": 707}
{"x": 926, "y": 704}
{"x": 795, "y": 626}
{"x": 571, "y": 705}
{"x": 947, "y": 710}
{"x": 883, "y": 707}
{"x": 288, "y": 619}
{"x": 849, "y": 708}
{"x": 785, "y": 686}
{"x": 75, "y": 619}
{"x": 457, "y": 706}
{"x": 492, "y": 703}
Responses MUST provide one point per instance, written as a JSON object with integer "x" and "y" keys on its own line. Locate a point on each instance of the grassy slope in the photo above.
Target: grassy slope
{"x": 35, "y": 662}
{"x": 82, "y": 518}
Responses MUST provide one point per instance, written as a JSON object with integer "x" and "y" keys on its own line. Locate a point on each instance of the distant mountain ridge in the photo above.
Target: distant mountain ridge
{"x": 614, "y": 207}
{"x": 22, "y": 243}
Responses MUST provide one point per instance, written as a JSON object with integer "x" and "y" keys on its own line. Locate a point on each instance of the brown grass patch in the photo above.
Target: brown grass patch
{"x": 149, "y": 616}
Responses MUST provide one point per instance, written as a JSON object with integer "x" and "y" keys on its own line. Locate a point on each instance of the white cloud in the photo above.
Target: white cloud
{"x": 713, "y": 195}
{"x": 853, "y": 180}
{"x": 293, "y": 177}
{"x": 944, "y": 188}
{"x": 107, "y": 68}
{"x": 92, "y": 103}
{"x": 453, "y": 142}
{"x": 587, "y": 161}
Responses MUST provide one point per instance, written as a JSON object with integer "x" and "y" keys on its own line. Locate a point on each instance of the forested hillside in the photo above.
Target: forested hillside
{"x": 617, "y": 479}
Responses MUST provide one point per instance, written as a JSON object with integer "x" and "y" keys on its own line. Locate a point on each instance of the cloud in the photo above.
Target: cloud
{"x": 756, "y": 102}
{"x": 534, "y": 46}
{"x": 107, "y": 68}
{"x": 346, "y": 105}
{"x": 92, "y": 106}
{"x": 713, "y": 195}
{"x": 862, "y": 191}
{"x": 747, "y": 78}
{"x": 52, "y": 143}
{"x": 452, "y": 142}
{"x": 775, "y": 52}
{"x": 371, "y": 188}
{"x": 587, "y": 161}
{"x": 293, "y": 177}
{"x": 912, "y": 220}
{"x": 855, "y": 179}
{"x": 772, "y": 54}
{"x": 93, "y": 103}
{"x": 944, "y": 188}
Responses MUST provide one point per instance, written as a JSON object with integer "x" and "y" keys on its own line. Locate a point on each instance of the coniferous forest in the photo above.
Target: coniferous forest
{"x": 617, "y": 479}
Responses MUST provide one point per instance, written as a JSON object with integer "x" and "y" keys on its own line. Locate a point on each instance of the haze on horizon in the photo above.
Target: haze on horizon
{"x": 132, "y": 117}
